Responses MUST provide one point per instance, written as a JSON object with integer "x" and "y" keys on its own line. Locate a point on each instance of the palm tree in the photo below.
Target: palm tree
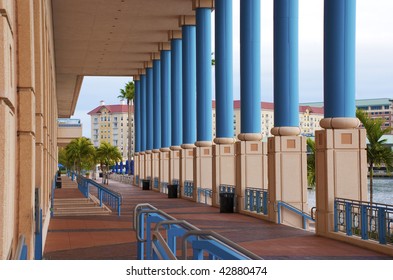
{"x": 377, "y": 153}
{"x": 107, "y": 156}
{"x": 80, "y": 154}
{"x": 311, "y": 162}
{"x": 128, "y": 93}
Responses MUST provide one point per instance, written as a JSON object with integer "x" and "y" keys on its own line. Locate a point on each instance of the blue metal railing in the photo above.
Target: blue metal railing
{"x": 256, "y": 200}
{"x": 206, "y": 193}
{"x": 105, "y": 195}
{"x": 305, "y": 216}
{"x": 53, "y": 195}
{"x": 155, "y": 183}
{"x": 21, "y": 249}
{"x": 189, "y": 189}
{"x": 152, "y": 224}
{"x": 227, "y": 189}
{"x": 364, "y": 219}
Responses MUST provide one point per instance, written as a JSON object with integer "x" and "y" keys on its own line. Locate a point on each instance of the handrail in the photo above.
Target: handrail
{"x": 140, "y": 205}
{"x": 164, "y": 245}
{"x": 217, "y": 237}
{"x": 21, "y": 249}
{"x": 295, "y": 210}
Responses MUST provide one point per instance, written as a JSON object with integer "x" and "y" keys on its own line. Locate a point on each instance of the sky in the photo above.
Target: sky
{"x": 374, "y": 57}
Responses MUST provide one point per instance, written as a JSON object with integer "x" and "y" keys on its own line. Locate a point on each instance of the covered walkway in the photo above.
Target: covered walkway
{"x": 112, "y": 237}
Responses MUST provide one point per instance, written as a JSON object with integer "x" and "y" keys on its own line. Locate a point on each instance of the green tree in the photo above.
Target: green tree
{"x": 128, "y": 93}
{"x": 107, "y": 156}
{"x": 378, "y": 154}
{"x": 311, "y": 162}
{"x": 80, "y": 154}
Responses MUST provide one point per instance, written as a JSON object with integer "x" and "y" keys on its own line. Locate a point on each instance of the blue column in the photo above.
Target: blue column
{"x": 339, "y": 58}
{"x": 149, "y": 109}
{"x": 189, "y": 84}
{"x": 250, "y": 66}
{"x": 157, "y": 104}
{"x": 143, "y": 113}
{"x": 165, "y": 99}
{"x": 204, "y": 74}
{"x": 176, "y": 92}
{"x": 137, "y": 117}
{"x": 286, "y": 77}
{"x": 224, "y": 69}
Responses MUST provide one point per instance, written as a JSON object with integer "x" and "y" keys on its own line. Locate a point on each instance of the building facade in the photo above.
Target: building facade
{"x": 109, "y": 123}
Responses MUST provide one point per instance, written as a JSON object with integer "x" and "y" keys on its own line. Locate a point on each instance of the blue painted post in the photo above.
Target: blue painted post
{"x": 348, "y": 218}
{"x": 121, "y": 167}
{"x": 176, "y": 91}
{"x": 204, "y": 75}
{"x": 149, "y": 109}
{"x": 224, "y": 68}
{"x": 250, "y": 66}
{"x": 141, "y": 230}
{"x": 157, "y": 104}
{"x": 339, "y": 58}
{"x": 137, "y": 118}
{"x": 127, "y": 166}
{"x": 265, "y": 201}
{"x": 165, "y": 99}
{"x": 143, "y": 113}
{"x": 286, "y": 69}
{"x": 189, "y": 84}
{"x": 364, "y": 225}
{"x": 382, "y": 225}
{"x": 335, "y": 216}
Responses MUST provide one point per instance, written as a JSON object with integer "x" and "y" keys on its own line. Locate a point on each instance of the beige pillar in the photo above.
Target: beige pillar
{"x": 203, "y": 167}
{"x": 136, "y": 169}
{"x": 174, "y": 164}
{"x": 287, "y": 160}
{"x": 155, "y": 170}
{"x": 142, "y": 165}
{"x": 186, "y": 169}
{"x": 341, "y": 172}
{"x": 251, "y": 169}
{"x": 164, "y": 167}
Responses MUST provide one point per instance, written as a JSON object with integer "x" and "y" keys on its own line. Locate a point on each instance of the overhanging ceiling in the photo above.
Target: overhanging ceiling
{"x": 107, "y": 38}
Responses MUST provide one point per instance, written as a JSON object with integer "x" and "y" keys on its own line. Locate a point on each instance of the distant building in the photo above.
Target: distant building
{"x": 109, "y": 123}
{"x": 68, "y": 130}
{"x": 376, "y": 108}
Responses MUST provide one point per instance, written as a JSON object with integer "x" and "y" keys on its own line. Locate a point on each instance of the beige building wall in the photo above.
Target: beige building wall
{"x": 28, "y": 114}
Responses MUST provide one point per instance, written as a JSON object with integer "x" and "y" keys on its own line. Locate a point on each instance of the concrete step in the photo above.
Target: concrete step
{"x": 77, "y": 207}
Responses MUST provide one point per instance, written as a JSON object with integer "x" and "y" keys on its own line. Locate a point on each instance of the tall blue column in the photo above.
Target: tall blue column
{"x": 204, "y": 75}
{"x": 339, "y": 58}
{"x": 189, "y": 84}
{"x": 176, "y": 92}
{"x": 286, "y": 77}
{"x": 149, "y": 109}
{"x": 165, "y": 99}
{"x": 224, "y": 69}
{"x": 137, "y": 118}
{"x": 143, "y": 113}
{"x": 250, "y": 66}
{"x": 157, "y": 104}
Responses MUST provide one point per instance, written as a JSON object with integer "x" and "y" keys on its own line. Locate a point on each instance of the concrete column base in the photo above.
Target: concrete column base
{"x": 341, "y": 172}
{"x": 174, "y": 166}
{"x": 224, "y": 169}
{"x": 186, "y": 169}
{"x": 148, "y": 161}
{"x": 287, "y": 160}
{"x": 203, "y": 165}
{"x": 155, "y": 171}
{"x": 136, "y": 169}
{"x": 251, "y": 169}
{"x": 142, "y": 173}
{"x": 164, "y": 169}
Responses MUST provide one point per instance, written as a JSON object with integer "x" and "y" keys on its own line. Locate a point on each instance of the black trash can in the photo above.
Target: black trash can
{"x": 100, "y": 174}
{"x": 58, "y": 184}
{"x": 145, "y": 185}
{"x": 226, "y": 202}
{"x": 172, "y": 191}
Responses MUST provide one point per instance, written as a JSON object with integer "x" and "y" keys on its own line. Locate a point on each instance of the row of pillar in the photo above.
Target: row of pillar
{"x": 173, "y": 107}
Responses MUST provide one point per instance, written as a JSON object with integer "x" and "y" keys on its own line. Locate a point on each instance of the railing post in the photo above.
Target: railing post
{"x": 278, "y": 212}
{"x": 100, "y": 196}
{"x": 140, "y": 245}
{"x": 265, "y": 202}
{"x": 335, "y": 215}
{"x": 252, "y": 193}
{"x": 258, "y": 200}
{"x": 348, "y": 218}
{"x": 381, "y": 225}
{"x": 118, "y": 206}
{"x": 246, "y": 199}
{"x": 364, "y": 227}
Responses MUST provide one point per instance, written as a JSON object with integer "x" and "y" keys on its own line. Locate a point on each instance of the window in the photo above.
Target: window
{"x": 376, "y": 107}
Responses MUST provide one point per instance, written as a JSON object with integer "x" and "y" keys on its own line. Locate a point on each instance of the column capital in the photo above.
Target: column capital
{"x": 202, "y": 4}
{"x": 285, "y": 131}
{"x": 164, "y": 46}
{"x": 174, "y": 34}
{"x": 339, "y": 123}
{"x": 136, "y": 77}
{"x": 141, "y": 72}
{"x": 148, "y": 64}
{"x": 187, "y": 20}
{"x": 155, "y": 56}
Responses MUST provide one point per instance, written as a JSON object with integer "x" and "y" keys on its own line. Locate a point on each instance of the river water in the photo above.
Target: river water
{"x": 382, "y": 190}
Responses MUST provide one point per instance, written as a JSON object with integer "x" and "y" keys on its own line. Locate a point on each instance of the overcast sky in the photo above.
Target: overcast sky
{"x": 374, "y": 57}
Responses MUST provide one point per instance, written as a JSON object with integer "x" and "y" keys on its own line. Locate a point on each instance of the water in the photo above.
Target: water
{"x": 382, "y": 192}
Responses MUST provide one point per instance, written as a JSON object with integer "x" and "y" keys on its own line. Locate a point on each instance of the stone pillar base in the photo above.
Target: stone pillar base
{"x": 148, "y": 162}
{"x": 341, "y": 172}
{"x": 287, "y": 160}
{"x": 251, "y": 169}
{"x": 142, "y": 173}
{"x": 136, "y": 169}
{"x": 186, "y": 169}
{"x": 164, "y": 169}
{"x": 174, "y": 166}
{"x": 202, "y": 175}
{"x": 155, "y": 171}
{"x": 224, "y": 169}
